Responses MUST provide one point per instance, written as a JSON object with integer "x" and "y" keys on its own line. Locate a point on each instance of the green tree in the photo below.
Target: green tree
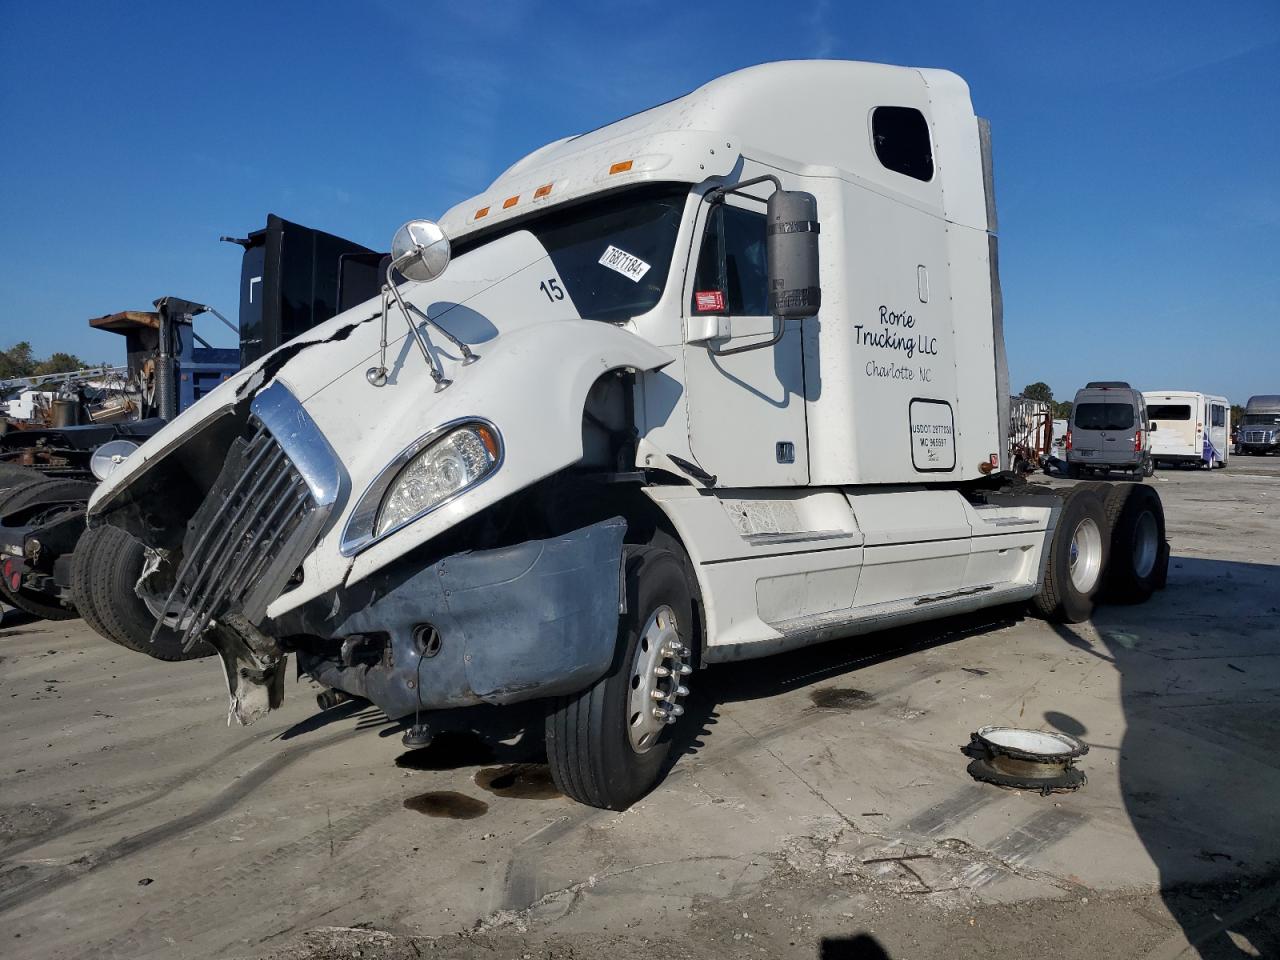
{"x": 59, "y": 362}
{"x": 17, "y": 361}
{"x": 1038, "y": 391}
{"x": 1237, "y": 414}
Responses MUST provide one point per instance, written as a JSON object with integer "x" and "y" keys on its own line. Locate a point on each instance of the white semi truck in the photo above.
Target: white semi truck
{"x": 716, "y": 381}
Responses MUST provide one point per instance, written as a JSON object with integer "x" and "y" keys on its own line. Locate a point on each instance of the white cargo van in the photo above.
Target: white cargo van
{"x": 1189, "y": 427}
{"x": 716, "y": 381}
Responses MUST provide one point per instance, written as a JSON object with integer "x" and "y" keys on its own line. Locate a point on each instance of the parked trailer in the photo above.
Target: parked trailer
{"x": 1189, "y": 428}
{"x": 1259, "y": 432}
{"x": 716, "y": 381}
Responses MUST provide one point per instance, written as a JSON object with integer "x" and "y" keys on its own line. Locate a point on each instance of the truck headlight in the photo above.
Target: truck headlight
{"x": 448, "y": 465}
{"x": 426, "y": 475}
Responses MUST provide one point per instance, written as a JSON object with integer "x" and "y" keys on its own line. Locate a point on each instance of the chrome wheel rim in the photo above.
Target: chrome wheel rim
{"x": 1086, "y": 555}
{"x": 656, "y": 680}
{"x": 1146, "y": 544}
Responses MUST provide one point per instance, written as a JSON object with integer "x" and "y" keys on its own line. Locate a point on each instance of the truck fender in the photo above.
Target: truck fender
{"x": 532, "y": 384}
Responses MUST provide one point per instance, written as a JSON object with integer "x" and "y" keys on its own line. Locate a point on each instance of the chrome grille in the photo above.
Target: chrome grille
{"x": 262, "y": 517}
{"x": 1256, "y": 436}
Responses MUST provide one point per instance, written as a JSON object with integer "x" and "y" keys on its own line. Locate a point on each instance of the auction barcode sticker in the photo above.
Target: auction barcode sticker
{"x": 633, "y": 268}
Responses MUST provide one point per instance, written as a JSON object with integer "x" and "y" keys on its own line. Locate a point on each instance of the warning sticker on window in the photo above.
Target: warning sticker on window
{"x": 633, "y": 268}
{"x": 708, "y": 301}
{"x": 933, "y": 435}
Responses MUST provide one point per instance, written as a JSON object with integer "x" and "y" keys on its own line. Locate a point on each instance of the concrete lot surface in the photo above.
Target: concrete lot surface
{"x": 821, "y": 807}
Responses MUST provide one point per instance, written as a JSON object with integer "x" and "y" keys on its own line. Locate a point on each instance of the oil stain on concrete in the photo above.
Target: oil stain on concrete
{"x": 520, "y": 781}
{"x": 448, "y": 804}
{"x": 842, "y": 698}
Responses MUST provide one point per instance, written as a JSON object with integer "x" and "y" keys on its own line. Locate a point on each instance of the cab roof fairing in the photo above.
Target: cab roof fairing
{"x": 770, "y": 108}
{"x": 686, "y": 156}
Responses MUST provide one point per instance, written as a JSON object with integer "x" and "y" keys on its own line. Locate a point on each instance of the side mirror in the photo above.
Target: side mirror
{"x": 793, "y": 229}
{"x": 420, "y": 250}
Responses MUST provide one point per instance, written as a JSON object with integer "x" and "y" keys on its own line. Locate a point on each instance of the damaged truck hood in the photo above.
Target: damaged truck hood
{"x": 537, "y": 361}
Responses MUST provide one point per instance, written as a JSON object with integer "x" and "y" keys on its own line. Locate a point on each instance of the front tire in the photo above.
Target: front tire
{"x": 115, "y": 561}
{"x": 608, "y": 745}
{"x": 1073, "y": 575}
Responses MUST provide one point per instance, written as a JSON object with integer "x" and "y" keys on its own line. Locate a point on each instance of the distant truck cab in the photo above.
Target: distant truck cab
{"x": 1109, "y": 431}
{"x": 1189, "y": 428}
{"x": 719, "y": 380}
{"x": 1259, "y": 432}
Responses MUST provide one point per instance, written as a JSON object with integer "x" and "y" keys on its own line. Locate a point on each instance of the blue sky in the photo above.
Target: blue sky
{"x": 1135, "y": 144}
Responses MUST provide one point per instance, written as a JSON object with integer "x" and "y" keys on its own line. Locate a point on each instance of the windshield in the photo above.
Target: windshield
{"x": 612, "y": 254}
{"x": 1169, "y": 411}
{"x": 1103, "y": 416}
{"x": 1261, "y": 419}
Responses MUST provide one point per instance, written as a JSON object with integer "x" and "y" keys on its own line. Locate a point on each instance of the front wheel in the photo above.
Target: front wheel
{"x": 113, "y": 564}
{"x": 608, "y": 745}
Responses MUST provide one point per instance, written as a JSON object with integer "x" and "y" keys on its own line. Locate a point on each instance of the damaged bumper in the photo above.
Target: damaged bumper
{"x": 536, "y": 619}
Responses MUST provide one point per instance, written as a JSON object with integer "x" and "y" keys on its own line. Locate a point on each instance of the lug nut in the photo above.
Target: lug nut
{"x": 661, "y": 672}
{"x": 682, "y": 691}
{"x": 677, "y": 711}
{"x": 659, "y": 713}
{"x": 685, "y": 669}
{"x": 657, "y": 695}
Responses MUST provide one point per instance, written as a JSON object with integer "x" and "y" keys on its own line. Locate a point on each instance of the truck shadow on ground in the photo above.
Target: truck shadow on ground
{"x": 1199, "y": 683}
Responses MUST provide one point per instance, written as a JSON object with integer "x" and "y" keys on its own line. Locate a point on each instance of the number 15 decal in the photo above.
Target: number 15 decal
{"x": 552, "y": 289}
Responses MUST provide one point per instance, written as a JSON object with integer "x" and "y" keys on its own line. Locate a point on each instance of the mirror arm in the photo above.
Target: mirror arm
{"x": 779, "y": 324}
{"x": 779, "y": 328}
{"x": 437, "y": 371}
{"x": 378, "y": 375}
{"x": 719, "y": 193}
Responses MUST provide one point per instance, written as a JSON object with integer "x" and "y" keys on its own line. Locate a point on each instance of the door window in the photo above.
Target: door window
{"x": 1219, "y": 416}
{"x": 732, "y": 263}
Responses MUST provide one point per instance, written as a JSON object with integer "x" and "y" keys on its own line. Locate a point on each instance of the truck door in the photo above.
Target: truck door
{"x": 746, "y": 408}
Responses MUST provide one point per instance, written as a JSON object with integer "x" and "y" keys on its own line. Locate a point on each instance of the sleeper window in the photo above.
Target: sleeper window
{"x": 901, "y": 138}
{"x": 732, "y": 262}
